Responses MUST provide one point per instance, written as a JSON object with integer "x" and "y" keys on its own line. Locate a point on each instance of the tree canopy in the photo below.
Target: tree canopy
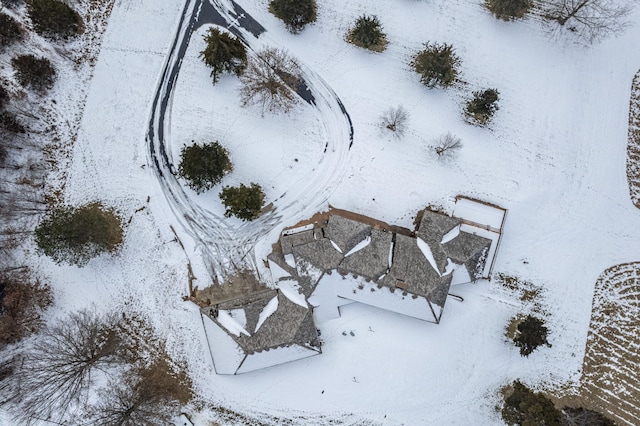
{"x": 204, "y": 166}
{"x": 437, "y": 65}
{"x": 75, "y": 235}
{"x": 223, "y": 54}
{"x": 367, "y": 33}
{"x": 54, "y": 19}
{"x": 531, "y": 334}
{"x": 34, "y": 72}
{"x": 509, "y": 10}
{"x": 295, "y": 14}
{"x": 525, "y": 407}
{"x": 243, "y": 202}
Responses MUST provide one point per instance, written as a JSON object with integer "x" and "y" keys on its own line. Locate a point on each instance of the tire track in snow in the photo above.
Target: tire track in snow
{"x": 225, "y": 247}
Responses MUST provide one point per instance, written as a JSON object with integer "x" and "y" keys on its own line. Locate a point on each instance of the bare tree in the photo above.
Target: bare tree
{"x": 591, "y": 20}
{"x": 56, "y": 372}
{"x": 270, "y": 81}
{"x": 143, "y": 397}
{"x": 447, "y": 146}
{"x": 395, "y": 120}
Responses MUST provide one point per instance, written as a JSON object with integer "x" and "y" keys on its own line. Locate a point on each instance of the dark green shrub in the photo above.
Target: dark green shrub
{"x": 10, "y": 30}
{"x": 54, "y": 19}
{"x": 437, "y": 65}
{"x": 482, "y": 106}
{"x": 367, "y": 33}
{"x": 509, "y": 10}
{"x": 295, "y": 14}
{"x": 243, "y": 202}
{"x": 223, "y": 54}
{"x": 204, "y": 166}
{"x": 531, "y": 334}
{"x": 9, "y": 122}
{"x": 75, "y": 235}
{"x": 37, "y": 73}
{"x": 525, "y": 407}
{"x": 4, "y": 96}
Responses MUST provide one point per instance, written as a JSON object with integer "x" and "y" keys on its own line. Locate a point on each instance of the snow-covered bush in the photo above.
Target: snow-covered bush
{"x": 223, "y": 54}
{"x": 437, "y": 65}
{"x": 295, "y": 14}
{"x": 367, "y": 33}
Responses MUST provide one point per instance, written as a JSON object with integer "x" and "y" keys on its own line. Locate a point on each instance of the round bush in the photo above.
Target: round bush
{"x": 204, "y": 166}
{"x": 295, "y": 14}
{"x": 54, "y": 19}
{"x": 437, "y": 65}
{"x": 531, "y": 334}
{"x": 367, "y": 33}
{"x": 243, "y": 202}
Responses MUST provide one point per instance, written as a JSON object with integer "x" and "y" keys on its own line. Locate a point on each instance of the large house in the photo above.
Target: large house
{"x": 339, "y": 258}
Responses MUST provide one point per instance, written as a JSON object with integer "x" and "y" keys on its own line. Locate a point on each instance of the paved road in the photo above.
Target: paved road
{"x": 225, "y": 247}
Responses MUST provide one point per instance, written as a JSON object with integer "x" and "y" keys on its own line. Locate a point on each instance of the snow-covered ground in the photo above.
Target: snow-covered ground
{"x": 554, "y": 157}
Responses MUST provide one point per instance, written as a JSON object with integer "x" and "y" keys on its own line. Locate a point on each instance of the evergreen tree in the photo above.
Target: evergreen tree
{"x": 482, "y": 106}
{"x": 54, "y": 19}
{"x": 223, "y": 54}
{"x": 524, "y": 407}
{"x": 509, "y": 10}
{"x": 37, "y": 73}
{"x": 4, "y": 96}
{"x": 367, "y": 33}
{"x": 204, "y": 166}
{"x": 243, "y": 202}
{"x": 531, "y": 334}
{"x": 295, "y": 14}
{"x": 437, "y": 65}
{"x": 9, "y": 30}
{"x": 76, "y": 235}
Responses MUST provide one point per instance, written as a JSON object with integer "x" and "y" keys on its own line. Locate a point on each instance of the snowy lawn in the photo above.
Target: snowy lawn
{"x": 554, "y": 157}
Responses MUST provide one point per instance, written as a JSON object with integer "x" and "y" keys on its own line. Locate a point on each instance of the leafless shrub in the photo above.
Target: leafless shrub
{"x": 447, "y": 146}
{"x": 22, "y": 300}
{"x": 395, "y": 120}
{"x": 56, "y": 372}
{"x": 270, "y": 81}
{"x": 143, "y": 397}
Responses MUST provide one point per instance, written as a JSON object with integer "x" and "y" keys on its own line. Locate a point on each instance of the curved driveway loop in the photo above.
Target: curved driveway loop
{"x": 224, "y": 246}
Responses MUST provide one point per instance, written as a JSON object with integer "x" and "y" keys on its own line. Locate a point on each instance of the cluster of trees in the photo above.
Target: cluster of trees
{"x": 204, "y": 166}
{"x": 590, "y": 20}
{"x": 72, "y": 360}
{"x": 522, "y": 406}
{"x": 54, "y": 19}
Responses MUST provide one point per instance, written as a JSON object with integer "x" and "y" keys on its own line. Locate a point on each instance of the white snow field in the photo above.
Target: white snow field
{"x": 554, "y": 157}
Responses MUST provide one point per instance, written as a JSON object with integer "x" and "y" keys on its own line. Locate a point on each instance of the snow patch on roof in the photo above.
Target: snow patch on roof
{"x": 426, "y": 250}
{"x": 362, "y": 244}
{"x": 267, "y": 311}
{"x": 233, "y": 326}
{"x": 290, "y": 289}
{"x": 450, "y": 235}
